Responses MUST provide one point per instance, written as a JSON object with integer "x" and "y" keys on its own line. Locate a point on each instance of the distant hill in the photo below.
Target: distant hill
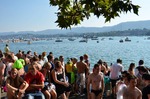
{"x": 119, "y": 27}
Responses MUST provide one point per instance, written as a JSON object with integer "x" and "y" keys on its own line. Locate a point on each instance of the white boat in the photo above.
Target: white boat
{"x": 84, "y": 40}
{"x": 71, "y": 39}
{"x": 94, "y": 38}
{"x": 58, "y": 40}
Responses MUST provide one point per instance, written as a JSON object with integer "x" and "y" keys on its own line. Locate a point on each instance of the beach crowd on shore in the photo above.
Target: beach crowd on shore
{"x": 33, "y": 75}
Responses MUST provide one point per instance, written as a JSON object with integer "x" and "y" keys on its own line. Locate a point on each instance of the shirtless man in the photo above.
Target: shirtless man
{"x": 81, "y": 70}
{"x": 132, "y": 92}
{"x": 96, "y": 79}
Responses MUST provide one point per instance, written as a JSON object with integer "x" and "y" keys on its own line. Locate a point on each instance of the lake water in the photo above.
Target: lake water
{"x": 107, "y": 50}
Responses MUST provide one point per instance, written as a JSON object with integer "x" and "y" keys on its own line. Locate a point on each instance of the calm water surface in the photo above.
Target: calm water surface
{"x": 107, "y": 50}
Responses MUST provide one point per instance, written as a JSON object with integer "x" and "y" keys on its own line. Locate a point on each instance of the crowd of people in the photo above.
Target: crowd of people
{"x": 41, "y": 76}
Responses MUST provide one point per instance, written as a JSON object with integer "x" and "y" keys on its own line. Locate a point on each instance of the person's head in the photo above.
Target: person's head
{"x": 9, "y": 58}
{"x": 35, "y": 58}
{"x": 85, "y": 56}
{"x": 96, "y": 69}
{"x": 146, "y": 78}
{"x": 13, "y": 73}
{"x": 50, "y": 53}
{"x": 61, "y": 58}
{"x": 35, "y": 54}
{"x": 33, "y": 68}
{"x": 6, "y": 45}
{"x": 40, "y": 57}
{"x": 119, "y": 61}
{"x": 100, "y": 62}
{"x": 43, "y": 54}
{"x": 50, "y": 57}
{"x": 141, "y": 62}
{"x": 105, "y": 64}
{"x": 56, "y": 60}
{"x": 132, "y": 66}
{"x": 132, "y": 80}
{"x": 47, "y": 65}
{"x": 74, "y": 60}
{"x": 81, "y": 58}
{"x": 58, "y": 65}
{"x": 124, "y": 76}
{"x": 28, "y": 52}
{"x": 69, "y": 61}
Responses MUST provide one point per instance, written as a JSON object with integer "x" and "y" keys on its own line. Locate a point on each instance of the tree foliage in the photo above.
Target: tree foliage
{"x": 72, "y": 12}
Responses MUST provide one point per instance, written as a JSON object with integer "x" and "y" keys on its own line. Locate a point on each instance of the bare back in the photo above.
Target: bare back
{"x": 81, "y": 67}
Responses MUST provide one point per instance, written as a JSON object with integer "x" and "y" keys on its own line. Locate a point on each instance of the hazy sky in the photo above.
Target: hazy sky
{"x": 36, "y": 15}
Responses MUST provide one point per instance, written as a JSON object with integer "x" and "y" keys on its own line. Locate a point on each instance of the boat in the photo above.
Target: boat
{"x": 94, "y": 38}
{"x": 127, "y": 39}
{"x": 71, "y": 39}
{"x": 148, "y": 38}
{"x": 83, "y": 40}
{"x": 111, "y": 38}
{"x": 58, "y": 40}
{"x": 121, "y": 41}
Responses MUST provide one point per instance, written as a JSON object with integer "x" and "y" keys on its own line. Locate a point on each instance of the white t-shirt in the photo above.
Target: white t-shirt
{"x": 120, "y": 91}
{"x": 115, "y": 70}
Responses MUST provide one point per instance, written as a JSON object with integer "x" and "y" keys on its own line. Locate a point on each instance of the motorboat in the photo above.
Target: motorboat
{"x": 58, "y": 40}
{"x": 94, "y": 38}
{"x": 121, "y": 41}
{"x": 71, "y": 39}
{"x": 111, "y": 38}
{"x": 127, "y": 39}
{"x": 83, "y": 40}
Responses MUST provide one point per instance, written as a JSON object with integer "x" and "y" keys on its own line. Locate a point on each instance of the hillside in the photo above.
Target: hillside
{"x": 119, "y": 27}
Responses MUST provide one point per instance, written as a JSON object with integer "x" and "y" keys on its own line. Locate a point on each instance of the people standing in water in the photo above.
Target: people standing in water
{"x": 96, "y": 79}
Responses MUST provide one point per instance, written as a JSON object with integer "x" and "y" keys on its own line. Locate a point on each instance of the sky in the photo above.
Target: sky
{"x": 38, "y": 15}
